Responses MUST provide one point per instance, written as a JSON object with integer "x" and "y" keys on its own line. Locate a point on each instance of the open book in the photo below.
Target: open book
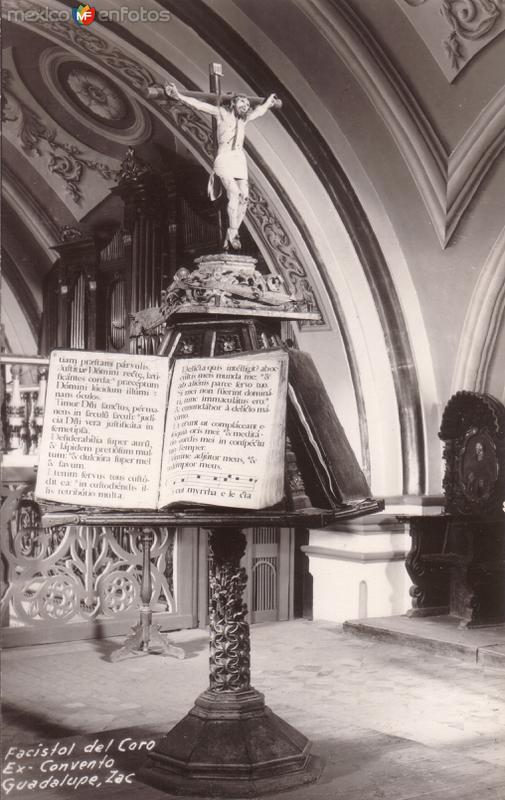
{"x": 127, "y": 432}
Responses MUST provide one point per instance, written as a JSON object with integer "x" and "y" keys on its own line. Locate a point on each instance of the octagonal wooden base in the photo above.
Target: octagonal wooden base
{"x": 231, "y": 745}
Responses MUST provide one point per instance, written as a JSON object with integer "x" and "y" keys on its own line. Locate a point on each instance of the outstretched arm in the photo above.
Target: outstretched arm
{"x": 172, "y": 91}
{"x": 262, "y": 108}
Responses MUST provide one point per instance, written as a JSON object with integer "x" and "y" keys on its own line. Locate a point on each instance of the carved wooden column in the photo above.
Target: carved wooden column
{"x": 230, "y": 664}
{"x": 230, "y": 744}
{"x": 149, "y": 217}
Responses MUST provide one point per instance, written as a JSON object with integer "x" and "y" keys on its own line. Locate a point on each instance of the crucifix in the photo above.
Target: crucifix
{"x": 230, "y": 114}
{"x": 230, "y": 744}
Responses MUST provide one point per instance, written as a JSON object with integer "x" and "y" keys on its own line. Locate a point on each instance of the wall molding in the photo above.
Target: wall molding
{"x": 447, "y": 181}
{"x": 483, "y": 323}
{"x": 350, "y": 555}
{"x": 137, "y": 132}
{"x": 473, "y": 157}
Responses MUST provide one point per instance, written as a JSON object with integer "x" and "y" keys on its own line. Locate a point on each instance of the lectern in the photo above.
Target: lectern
{"x": 230, "y": 743}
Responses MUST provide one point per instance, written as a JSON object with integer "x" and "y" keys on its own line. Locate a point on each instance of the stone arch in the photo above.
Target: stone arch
{"x": 365, "y": 323}
{"x": 478, "y": 367}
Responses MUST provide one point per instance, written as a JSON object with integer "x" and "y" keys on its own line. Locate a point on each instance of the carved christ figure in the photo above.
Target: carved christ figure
{"x": 230, "y": 166}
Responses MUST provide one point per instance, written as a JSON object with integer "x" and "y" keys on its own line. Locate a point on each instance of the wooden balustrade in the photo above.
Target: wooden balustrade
{"x": 71, "y": 582}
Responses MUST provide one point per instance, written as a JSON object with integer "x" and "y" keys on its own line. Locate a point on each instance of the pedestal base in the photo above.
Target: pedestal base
{"x": 231, "y": 745}
{"x": 143, "y": 643}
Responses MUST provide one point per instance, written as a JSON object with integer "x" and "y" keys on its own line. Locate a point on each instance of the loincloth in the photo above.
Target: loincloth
{"x": 228, "y": 166}
{"x": 231, "y": 164}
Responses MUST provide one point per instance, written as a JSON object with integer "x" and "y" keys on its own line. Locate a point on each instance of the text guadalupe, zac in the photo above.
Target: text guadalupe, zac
{"x": 129, "y": 432}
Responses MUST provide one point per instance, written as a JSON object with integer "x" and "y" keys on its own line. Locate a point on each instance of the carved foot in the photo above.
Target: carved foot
{"x": 157, "y": 644}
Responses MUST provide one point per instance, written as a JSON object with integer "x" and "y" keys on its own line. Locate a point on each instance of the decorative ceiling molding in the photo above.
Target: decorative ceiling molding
{"x": 312, "y": 146}
{"x": 189, "y": 126}
{"x": 473, "y": 157}
{"x": 454, "y": 31}
{"x": 484, "y": 322}
{"x": 447, "y": 182}
{"x": 31, "y": 130}
{"x": 91, "y": 89}
{"x": 34, "y": 16}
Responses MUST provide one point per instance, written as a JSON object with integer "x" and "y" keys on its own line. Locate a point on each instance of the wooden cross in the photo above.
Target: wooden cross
{"x": 215, "y": 97}
{"x": 215, "y": 75}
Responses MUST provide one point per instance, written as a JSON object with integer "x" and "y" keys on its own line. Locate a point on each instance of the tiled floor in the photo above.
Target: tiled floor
{"x": 389, "y": 721}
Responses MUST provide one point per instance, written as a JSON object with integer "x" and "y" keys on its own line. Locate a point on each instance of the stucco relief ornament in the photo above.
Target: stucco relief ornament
{"x": 64, "y": 159}
{"x": 471, "y": 20}
{"x": 135, "y": 75}
{"x": 473, "y": 25}
{"x": 452, "y": 46}
{"x": 96, "y": 94}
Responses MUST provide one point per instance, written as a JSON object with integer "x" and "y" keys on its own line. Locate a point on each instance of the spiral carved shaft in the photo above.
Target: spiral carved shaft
{"x": 229, "y": 631}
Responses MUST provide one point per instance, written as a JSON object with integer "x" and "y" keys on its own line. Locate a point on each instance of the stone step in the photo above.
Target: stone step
{"x": 441, "y": 635}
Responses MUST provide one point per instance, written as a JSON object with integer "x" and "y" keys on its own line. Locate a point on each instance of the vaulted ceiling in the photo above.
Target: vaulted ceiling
{"x": 432, "y": 69}
{"x": 379, "y": 182}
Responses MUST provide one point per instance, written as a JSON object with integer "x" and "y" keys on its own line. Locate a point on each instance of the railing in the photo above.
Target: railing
{"x": 23, "y": 405}
{"x": 73, "y": 581}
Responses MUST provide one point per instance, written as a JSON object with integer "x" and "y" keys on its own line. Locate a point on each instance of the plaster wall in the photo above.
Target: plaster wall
{"x": 442, "y": 279}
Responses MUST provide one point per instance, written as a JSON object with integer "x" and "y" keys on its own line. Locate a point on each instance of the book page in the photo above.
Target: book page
{"x": 103, "y": 429}
{"x": 225, "y": 432}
